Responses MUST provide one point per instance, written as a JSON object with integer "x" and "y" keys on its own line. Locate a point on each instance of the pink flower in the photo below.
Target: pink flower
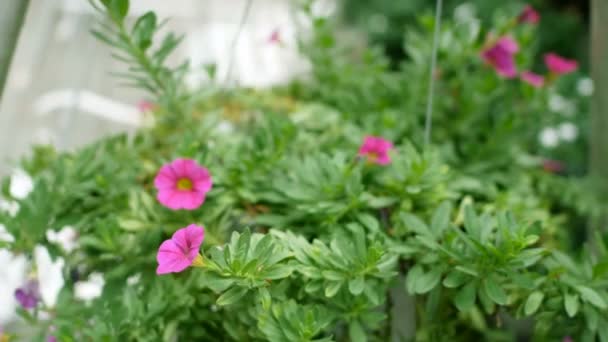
{"x": 553, "y": 166}
{"x": 275, "y": 37}
{"x": 51, "y": 338}
{"x": 181, "y": 251}
{"x": 376, "y": 150}
{"x": 529, "y": 15}
{"x": 182, "y": 184}
{"x": 567, "y": 339}
{"x": 532, "y": 79}
{"x": 500, "y": 56}
{"x": 560, "y": 65}
{"x": 145, "y": 106}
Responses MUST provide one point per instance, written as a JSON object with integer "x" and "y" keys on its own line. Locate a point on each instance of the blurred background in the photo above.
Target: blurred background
{"x": 60, "y": 90}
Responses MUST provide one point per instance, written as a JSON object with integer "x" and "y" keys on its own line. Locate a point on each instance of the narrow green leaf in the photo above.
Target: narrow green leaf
{"x": 571, "y": 304}
{"x": 231, "y": 296}
{"x": 428, "y": 281}
{"x": 332, "y": 288}
{"x": 265, "y": 298}
{"x": 591, "y": 296}
{"x": 494, "y": 291}
{"x": 465, "y": 298}
{"x": 356, "y": 286}
{"x": 412, "y": 276}
{"x": 441, "y": 218}
{"x": 533, "y": 302}
{"x": 356, "y": 332}
{"x": 454, "y": 279}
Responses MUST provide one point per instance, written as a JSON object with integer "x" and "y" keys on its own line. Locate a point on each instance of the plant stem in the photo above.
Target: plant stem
{"x": 11, "y": 19}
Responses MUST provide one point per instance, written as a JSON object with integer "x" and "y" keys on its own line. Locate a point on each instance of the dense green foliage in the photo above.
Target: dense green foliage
{"x": 304, "y": 240}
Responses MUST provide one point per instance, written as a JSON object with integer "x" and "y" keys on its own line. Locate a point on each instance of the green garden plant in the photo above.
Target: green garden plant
{"x": 302, "y": 222}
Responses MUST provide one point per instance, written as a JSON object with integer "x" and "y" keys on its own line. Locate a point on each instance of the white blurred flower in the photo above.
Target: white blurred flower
{"x": 21, "y": 184}
{"x": 465, "y": 12}
{"x": 90, "y": 289}
{"x": 11, "y": 207}
{"x": 585, "y": 87}
{"x": 559, "y": 104}
{"x": 12, "y": 276}
{"x": 134, "y": 279}
{"x": 50, "y": 275}
{"x": 549, "y": 137}
{"x": 66, "y": 238}
{"x": 568, "y": 131}
{"x": 224, "y": 127}
{"x": 5, "y": 235}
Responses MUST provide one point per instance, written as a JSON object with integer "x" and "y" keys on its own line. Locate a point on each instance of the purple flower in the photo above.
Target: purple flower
{"x": 532, "y": 79}
{"x": 560, "y": 65}
{"x": 28, "y": 295}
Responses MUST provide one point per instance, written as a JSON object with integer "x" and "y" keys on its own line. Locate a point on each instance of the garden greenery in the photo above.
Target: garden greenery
{"x": 309, "y": 234}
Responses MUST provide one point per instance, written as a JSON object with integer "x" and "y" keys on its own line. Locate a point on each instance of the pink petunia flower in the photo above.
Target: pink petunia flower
{"x": 532, "y": 79}
{"x": 182, "y": 184}
{"x": 553, "y": 166}
{"x": 145, "y": 106}
{"x": 275, "y": 37}
{"x": 500, "y": 56}
{"x": 376, "y": 150}
{"x": 181, "y": 251}
{"x": 529, "y": 15}
{"x": 560, "y": 65}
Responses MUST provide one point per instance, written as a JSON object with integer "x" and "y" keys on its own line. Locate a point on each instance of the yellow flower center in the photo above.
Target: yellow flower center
{"x": 184, "y": 184}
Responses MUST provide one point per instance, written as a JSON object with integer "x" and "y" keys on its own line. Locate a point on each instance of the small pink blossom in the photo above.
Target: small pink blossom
{"x": 532, "y": 79}
{"x": 553, "y": 166}
{"x": 145, "y": 106}
{"x": 560, "y": 65}
{"x": 51, "y": 338}
{"x": 500, "y": 56}
{"x": 275, "y": 37}
{"x": 376, "y": 150}
{"x": 529, "y": 15}
{"x": 567, "y": 339}
{"x": 182, "y": 184}
{"x": 181, "y": 251}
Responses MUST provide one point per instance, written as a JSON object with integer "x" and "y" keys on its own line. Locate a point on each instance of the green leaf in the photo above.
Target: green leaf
{"x": 265, "y": 297}
{"x": 356, "y": 286}
{"x": 494, "y": 291}
{"x": 428, "y": 281}
{"x": 533, "y": 302}
{"x": 332, "y": 288}
{"x": 465, "y": 298}
{"x": 454, "y": 279}
{"x": 356, "y": 332}
{"x": 589, "y": 295}
{"x": 143, "y": 30}
{"x": 571, "y": 304}
{"x": 118, "y": 8}
{"x": 441, "y": 218}
{"x": 413, "y": 223}
{"x": 412, "y": 277}
{"x": 231, "y": 296}
{"x": 277, "y": 272}
{"x": 471, "y": 223}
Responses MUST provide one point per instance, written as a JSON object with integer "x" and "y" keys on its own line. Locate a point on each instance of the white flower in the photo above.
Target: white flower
{"x": 12, "y": 276}
{"x": 50, "y": 275}
{"x": 66, "y": 238}
{"x": 585, "y": 87}
{"x": 11, "y": 207}
{"x": 559, "y": 104}
{"x": 134, "y": 280}
{"x": 224, "y": 127}
{"x": 5, "y": 235}
{"x": 549, "y": 137}
{"x": 465, "y": 13}
{"x": 21, "y": 184}
{"x": 90, "y": 289}
{"x": 568, "y": 131}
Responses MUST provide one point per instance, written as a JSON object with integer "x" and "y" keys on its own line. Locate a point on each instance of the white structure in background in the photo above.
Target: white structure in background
{"x": 55, "y": 39}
